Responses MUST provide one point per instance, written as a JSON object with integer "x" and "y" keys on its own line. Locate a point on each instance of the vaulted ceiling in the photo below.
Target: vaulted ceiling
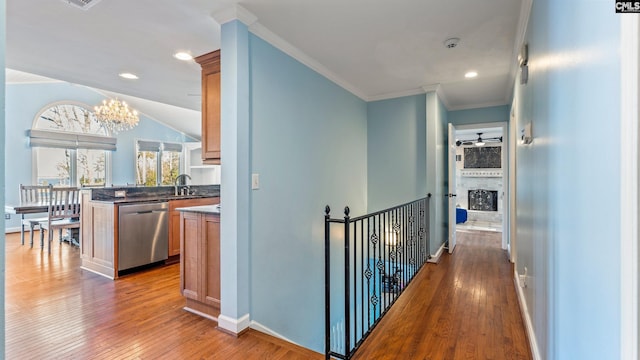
{"x": 374, "y": 48}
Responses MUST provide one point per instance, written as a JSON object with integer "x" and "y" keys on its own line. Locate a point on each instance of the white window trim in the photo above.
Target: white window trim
{"x": 108, "y": 178}
{"x": 159, "y": 157}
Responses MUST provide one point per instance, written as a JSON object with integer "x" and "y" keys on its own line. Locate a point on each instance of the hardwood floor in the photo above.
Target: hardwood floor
{"x": 55, "y": 310}
{"x": 463, "y": 308}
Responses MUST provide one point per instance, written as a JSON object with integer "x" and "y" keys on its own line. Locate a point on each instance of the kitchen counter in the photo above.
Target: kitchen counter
{"x": 100, "y": 222}
{"x": 152, "y": 198}
{"x": 200, "y": 259}
{"x": 138, "y": 194}
{"x": 202, "y": 209}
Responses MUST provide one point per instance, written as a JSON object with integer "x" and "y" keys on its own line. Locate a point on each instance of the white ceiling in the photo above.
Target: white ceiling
{"x": 374, "y": 48}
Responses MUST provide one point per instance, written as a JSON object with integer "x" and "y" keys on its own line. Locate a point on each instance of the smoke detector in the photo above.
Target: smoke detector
{"x": 451, "y": 43}
{"x": 82, "y": 4}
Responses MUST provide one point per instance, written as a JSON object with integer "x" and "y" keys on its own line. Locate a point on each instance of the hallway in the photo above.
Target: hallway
{"x": 468, "y": 310}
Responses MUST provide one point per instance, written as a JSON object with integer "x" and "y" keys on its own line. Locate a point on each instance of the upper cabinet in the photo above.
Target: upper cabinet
{"x": 210, "y": 64}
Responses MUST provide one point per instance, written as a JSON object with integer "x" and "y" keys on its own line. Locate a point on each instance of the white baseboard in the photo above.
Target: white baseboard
{"x": 436, "y": 258}
{"x": 14, "y": 230}
{"x": 96, "y": 272}
{"x": 234, "y": 326}
{"x": 200, "y": 313}
{"x": 259, "y": 327}
{"x": 528, "y": 324}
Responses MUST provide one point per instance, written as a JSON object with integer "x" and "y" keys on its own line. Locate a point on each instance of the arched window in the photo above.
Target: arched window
{"x": 70, "y": 147}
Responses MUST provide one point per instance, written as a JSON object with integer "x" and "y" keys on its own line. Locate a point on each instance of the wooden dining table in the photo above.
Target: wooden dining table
{"x": 27, "y": 208}
{"x": 38, "y": 207}
{"x": 21, "y": 209}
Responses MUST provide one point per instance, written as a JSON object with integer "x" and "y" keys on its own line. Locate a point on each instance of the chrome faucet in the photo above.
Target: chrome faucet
{"x": 181, "y": 180}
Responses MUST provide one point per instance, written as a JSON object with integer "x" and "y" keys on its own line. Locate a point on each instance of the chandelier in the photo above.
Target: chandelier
{"x": 116, "y": 115}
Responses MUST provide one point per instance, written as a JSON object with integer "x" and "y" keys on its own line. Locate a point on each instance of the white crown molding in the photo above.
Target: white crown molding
{"x": 441, "y": 95}
{"x": 523, "y": 21}
{"x": 478, "y": 106}
{"x": 395, "y": 95}
{"x": 234, "y": 12}
{"x": 267, "y": 35}
{"x": 432, "y": 87}
{"x": 238, "y": 12}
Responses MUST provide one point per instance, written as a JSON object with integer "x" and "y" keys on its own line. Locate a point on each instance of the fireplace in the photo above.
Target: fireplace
{"x": 483, "y": 200}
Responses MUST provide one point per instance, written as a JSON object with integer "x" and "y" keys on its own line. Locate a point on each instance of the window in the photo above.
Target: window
{"x": 171, "y": 162}
{"x": 157, "y": 163}
{"x": 70, "y": 147}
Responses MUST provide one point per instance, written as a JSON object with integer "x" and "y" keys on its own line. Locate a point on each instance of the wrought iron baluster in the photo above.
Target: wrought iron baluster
{"x": 397, "y": 245}
{"x": 327, "y": 283}
{"x": 347, "y": 309}
{"x": 368, "y": 273}
{"x": 362, "y": 301}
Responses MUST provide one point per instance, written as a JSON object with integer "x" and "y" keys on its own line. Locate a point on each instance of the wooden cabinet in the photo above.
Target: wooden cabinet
{"x": 99, "y": 236}
{"x": 174, "y": 221}
{"x": 210, "y": 64}
{"x": 200, "y": 263}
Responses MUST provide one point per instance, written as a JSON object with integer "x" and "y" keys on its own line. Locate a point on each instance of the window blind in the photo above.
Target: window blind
{"x": 172, "y": 147}
{"x": 66, "y": 140}
{"x": 146, "y": 145}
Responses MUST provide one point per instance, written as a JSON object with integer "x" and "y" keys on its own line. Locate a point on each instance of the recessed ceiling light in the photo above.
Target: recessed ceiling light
{"x": 471, "y": 74}
{"x": 184, "y": 56}
{"x": 127, "y": 75}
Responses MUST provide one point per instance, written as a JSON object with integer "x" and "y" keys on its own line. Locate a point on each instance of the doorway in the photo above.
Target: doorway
{"x": 481, "y": 183}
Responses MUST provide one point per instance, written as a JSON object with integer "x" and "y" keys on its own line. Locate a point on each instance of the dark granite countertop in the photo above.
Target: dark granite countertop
{"x": 138, "y": 199}
{"x": 150, "y": 194}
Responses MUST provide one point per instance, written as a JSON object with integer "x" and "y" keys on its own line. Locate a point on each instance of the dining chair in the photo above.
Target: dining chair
{"x": 32, "y": 194}
{"x": 64, "y": 212}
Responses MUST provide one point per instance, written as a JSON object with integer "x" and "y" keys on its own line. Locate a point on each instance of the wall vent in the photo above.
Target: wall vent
{"x": 82, "y": 4}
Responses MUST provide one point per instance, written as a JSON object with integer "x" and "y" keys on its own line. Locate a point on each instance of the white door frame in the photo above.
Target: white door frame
{"x": 506, "y": 219}
{"x": 629, "y": 193}
{"x": 451, "y": 204}
{"x": 512, "y": 141}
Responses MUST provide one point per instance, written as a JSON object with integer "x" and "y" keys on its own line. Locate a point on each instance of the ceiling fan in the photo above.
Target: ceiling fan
{"x": 479, "y": 141}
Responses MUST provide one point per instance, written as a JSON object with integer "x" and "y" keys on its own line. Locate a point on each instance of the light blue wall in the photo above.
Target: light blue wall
{"x": 235, "y": 227}
{"x": 396, "y": 151}
{"x": 3, "y": 24}
{"x": 309, "y": 145}
{"x": 25, "y": 101}
{"x": 479, "y": 115}
{"x": 568, "y": 195}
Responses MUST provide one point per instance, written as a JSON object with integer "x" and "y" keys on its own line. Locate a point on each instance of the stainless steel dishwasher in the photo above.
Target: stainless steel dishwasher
{"x": 143, "y": 234}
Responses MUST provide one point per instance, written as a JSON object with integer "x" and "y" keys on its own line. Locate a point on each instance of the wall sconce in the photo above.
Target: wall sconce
{"x": 523, "y": 61}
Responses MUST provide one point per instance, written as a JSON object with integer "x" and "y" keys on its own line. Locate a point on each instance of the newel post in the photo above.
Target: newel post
{"x": 327, "y": 283}
{"x": 347, "y": 295}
